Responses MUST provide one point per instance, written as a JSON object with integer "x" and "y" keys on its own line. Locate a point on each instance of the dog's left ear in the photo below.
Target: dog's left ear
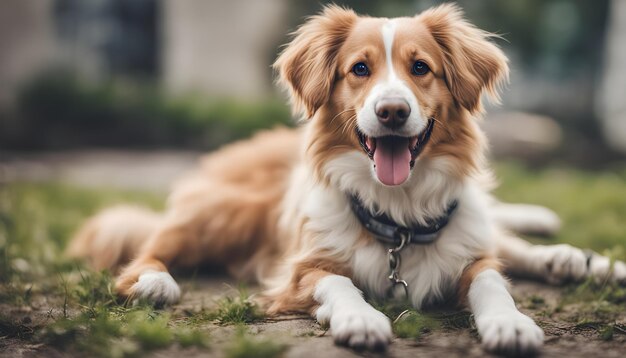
{"x": 307, "y": 66}
{"x": 472, "y": 63}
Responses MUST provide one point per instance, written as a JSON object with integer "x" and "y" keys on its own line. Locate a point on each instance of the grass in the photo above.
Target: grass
{"x": 36, "y": 220}
{"x": 90, "y": 321}
{"x": 414, "y": 324}
{"x": 244, "y": 345}
{"x": 237, "y": 310}
{"x": 592, "y": 205}
{"x": 410, "y": 323}
{"x": 82, "y": 314}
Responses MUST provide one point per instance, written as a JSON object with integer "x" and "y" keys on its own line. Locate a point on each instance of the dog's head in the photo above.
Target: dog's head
{"x": 394, "y": 89}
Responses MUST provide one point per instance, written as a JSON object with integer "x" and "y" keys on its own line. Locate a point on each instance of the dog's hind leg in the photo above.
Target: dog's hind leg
{"x": 556, "y": 264}
{"x": 147, "y": 276}
{"x": 114, "y": 236}
{"x": 206, "y": 223}
{"x": 526, "y": 219}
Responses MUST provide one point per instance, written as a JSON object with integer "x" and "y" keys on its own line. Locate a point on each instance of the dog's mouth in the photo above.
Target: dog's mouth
{"x": 394, "y": 156}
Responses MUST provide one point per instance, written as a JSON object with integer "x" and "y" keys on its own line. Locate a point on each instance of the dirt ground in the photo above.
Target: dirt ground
{"x": 305, "y": 338}
{"x": 565, "y": 335}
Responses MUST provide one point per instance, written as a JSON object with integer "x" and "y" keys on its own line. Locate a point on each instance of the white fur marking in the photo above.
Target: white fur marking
{"x": 501, "y": 326}
{"x": 157, "y": 287}
{"x": 619, "y": 272}
{"x": 527, "y": 219}
{"x": 600, "y": 269}
{"x": 432, "y": 271}
{"x": 353, "y": 321}
{"x": 559, "y": 263}
{"x": 389, "y": 30}
{"x": 391, "y": 86}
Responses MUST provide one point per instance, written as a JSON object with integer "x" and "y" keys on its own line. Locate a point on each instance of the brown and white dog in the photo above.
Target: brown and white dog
{"x": 391, "y": 131}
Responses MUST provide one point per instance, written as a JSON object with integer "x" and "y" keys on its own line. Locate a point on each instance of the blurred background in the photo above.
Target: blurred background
{"x": 127, "y": 95}
{"x": 194, "y": 74}
{"x": 109, "y": 101}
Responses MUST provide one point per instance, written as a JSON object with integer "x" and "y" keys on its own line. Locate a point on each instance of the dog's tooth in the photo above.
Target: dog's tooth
{"x": 371, "y": 143}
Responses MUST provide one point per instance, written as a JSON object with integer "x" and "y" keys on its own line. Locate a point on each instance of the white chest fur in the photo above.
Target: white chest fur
{"x": 432, "y": 270}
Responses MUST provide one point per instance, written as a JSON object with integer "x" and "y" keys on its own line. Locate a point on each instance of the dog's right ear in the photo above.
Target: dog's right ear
{"x": 308, "y": 65}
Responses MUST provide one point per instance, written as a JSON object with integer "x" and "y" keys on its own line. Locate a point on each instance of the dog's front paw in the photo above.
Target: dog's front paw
{"x": 156, "y": 287}
{"x": 561, "y": 263}
{"x": 360, "y": 326}
{"x": 511, "y": 334}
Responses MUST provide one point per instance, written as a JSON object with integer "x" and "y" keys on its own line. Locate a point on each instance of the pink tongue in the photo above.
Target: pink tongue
{"x": 392, "y": 158}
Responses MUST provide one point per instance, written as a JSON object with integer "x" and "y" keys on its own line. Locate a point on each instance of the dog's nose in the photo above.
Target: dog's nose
{"x": 392, "y": 112}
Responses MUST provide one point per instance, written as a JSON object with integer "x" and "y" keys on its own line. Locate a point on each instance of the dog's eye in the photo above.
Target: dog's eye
{"x": 360, "y": 69}
{"x": 420, "y": 68}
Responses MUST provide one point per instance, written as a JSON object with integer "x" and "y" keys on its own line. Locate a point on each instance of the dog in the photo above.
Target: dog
{"x": 383, "y": 190}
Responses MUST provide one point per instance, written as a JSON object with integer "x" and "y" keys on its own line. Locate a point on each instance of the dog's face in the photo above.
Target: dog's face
{"x": 401, "y": 87}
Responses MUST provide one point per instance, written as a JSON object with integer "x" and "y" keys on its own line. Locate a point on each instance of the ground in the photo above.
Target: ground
{"x": 52, "y": 307}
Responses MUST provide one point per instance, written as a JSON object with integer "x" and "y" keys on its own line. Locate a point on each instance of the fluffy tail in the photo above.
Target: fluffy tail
{"x": 114, "y": 236}
{"x": 526, "y": 219}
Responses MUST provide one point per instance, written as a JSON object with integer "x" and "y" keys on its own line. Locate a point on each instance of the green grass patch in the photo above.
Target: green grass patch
{"x": 191, "y": 337}
{"x": 536, "y": 302}
{"x": 118, "y": 331}
{"x": 413, "y": 324}
{"x": 244, "y": 345}
{"x": 237, "y": 310}
{"x": 593, "y": 302}
{"x": 36, "y": 221}
{"x": 409, "y": 323}
{"x": 606, "y": 333}
{"x": 592, "y": 205}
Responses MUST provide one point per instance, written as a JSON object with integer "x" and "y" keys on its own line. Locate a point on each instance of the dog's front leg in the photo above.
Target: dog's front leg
{"x": 353, "y": 321}
{"x": 502, "y": 327}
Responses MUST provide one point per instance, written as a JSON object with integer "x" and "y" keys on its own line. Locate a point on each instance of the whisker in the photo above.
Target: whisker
{"x": 340, "y": 113}
{"x": 442, "y": 125}
{"x": 347, "y": 124}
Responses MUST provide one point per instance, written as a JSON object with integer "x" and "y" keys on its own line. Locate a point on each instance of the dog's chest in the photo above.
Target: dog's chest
{"x": 430, "y": 271}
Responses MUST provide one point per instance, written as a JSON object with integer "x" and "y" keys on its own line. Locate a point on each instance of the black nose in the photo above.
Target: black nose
{"x": 392, "y": 112}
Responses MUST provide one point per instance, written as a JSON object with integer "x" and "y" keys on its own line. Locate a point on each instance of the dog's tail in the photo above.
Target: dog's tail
{"x": 114, "y": 236}
{"x": 526, "y": 219}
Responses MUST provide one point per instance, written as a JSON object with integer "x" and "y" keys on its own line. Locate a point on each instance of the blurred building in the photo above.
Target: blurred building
{"x": 611, "y": 105}
{"x": 221, "y": 47}
{"x": 224, "y": 49}
{"x": 27, "y": 43}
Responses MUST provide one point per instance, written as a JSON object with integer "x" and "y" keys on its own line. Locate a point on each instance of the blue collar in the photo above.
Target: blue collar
{"x": 388, "y": 231}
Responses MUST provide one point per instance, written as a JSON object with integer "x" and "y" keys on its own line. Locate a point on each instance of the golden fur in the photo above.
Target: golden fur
{"x": 228, "y": 211}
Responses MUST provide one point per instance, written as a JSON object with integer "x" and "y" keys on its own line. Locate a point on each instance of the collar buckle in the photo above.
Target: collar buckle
{"x": 404, "y": 237}
{"x": 401, "y": 235}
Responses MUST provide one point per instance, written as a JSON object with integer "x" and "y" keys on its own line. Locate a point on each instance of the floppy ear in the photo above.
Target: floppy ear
{"x": 307, "y": 66}
{"x": 472, "y": 63}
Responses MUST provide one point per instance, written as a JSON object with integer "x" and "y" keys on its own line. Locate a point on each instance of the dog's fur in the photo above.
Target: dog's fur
{"x": 275, "y": 208}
